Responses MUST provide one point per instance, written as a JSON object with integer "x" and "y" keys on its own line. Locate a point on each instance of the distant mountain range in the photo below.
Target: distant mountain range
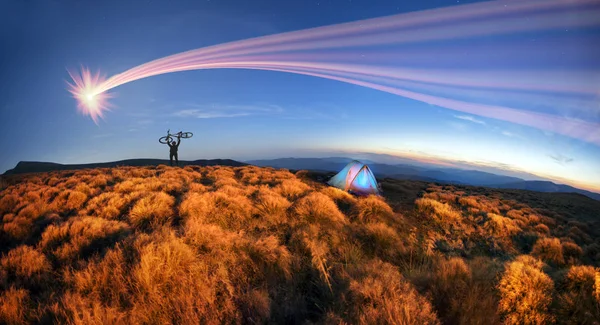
{"x": 428, "y": 174}
{"x": 335, "y": 164}
{"x": 37, "y": 167}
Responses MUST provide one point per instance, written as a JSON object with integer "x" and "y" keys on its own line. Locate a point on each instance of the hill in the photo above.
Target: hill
{"x": 428, "y": 174}
{"x": 38, "y": 166}
{"x": 252, "y": 245}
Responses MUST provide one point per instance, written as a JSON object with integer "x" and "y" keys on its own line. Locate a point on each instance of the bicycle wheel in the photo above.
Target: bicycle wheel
{"x": 186, "y": 135}
{"x": 165, "y": 139}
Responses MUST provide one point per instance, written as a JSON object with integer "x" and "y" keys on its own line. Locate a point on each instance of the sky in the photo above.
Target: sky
{"x": 246, "y": 114}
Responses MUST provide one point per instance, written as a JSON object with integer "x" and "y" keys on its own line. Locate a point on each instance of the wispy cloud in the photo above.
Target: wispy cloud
{"x": 561, "y": 159}
{"x": 470, "y": 119}
{"x": 511, "y": 134}
{"x": 225, "y": 111}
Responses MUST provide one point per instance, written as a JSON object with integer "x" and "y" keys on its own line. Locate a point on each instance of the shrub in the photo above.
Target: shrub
{"x": 378, "y": 294}
{"x": 99, "y": 180}
{"x": 81, "y": 236}
{"x": 14, "y": 306}
{"x": 577, "y": 303}
{"x": 319, "y": 208}
{"x": 26, "y": 222}
{"x": 231, "y": 211}
{"x": 84, "y": 188}
{"x": 549, "y": 250}
{"x": 381, "y": 240}
{"x": 270, "y": 257}
{"x": 79, "y": 310}
{"x": 463, "y": 293}
{"x": 500, "y": 226}
{"x": 373, "y": 208}
{"x": 443, "y": 214}
{"x": 8, "y": 203}
{"x": 597, "y": 288}
{"x": 255, "y": 306}
{"x": 345, "y": 201}
{"x": 68, "y": 201}
{"x": 24, "y": 265}
{"x": 572, "y": 252}
{"x": 173, "y": 285}
{"x": 292, "y": 188}
{"x": 525, "y": 292}
{"x": 153, "y": 210}
{"x": 103, "y": 280}
{"x": 542, "y": 229}
{"x": 469, "y": 201}
{"x": 270, "y": 206}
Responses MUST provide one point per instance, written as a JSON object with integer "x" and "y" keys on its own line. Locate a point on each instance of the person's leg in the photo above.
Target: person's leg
{"x": 176, "y": 160}
{"x": 171, "y": 159}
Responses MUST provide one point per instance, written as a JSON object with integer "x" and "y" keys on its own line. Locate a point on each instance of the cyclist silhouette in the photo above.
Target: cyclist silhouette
{"x": 173, "y": 151}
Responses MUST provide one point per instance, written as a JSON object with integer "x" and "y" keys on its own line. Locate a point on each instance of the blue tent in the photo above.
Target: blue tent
{"x": 356, "y": 177}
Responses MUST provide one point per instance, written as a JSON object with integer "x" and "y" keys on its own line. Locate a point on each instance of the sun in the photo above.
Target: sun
{"x": 87, "y": 89}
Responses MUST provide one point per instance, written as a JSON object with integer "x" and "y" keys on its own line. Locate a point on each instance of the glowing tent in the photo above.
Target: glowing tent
{"x": 355, "y": 177}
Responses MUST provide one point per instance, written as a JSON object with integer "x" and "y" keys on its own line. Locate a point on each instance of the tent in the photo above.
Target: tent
{"x": 356, "y": 177}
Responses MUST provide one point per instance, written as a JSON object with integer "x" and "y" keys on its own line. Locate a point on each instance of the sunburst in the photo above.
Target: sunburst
{"x": 85, "y": 89}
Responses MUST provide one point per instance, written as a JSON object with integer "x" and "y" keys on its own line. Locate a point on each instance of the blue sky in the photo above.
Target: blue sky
{"x": 239, "y": 114}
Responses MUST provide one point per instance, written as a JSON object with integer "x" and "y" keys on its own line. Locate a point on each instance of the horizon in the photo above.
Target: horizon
{"x": 362, "y": 156}
{"x": 251, "y": 114}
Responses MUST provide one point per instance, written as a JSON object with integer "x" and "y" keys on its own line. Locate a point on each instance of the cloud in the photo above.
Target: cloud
{"x": 470, "y": 119}
{"x": 511, "y": 135}
{"x": 561, "y": 159}
{"x": 226, "y": 111}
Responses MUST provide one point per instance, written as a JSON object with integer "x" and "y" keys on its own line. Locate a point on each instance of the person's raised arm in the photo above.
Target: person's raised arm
{"x": 178, "y": 139}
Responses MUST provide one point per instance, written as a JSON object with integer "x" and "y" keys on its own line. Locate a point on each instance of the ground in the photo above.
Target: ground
{"x": 253, "y": 245}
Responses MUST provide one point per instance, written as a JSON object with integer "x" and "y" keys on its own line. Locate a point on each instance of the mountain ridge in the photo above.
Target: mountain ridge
{"x": 442, "y": 175}
{"x": 40, "y": 166}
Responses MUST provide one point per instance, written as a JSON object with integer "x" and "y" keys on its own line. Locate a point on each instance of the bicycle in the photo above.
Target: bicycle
{"x": 166, "y": 139}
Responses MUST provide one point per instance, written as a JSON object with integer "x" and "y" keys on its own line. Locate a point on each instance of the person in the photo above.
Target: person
{"x": 173, "y": 151}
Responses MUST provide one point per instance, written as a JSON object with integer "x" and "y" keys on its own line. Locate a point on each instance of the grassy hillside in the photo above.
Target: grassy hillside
{"x": 254, "y": 245}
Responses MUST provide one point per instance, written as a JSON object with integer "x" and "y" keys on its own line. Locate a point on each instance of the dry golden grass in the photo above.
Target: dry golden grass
{"x": 372, "y": 208}
{"x": 578, "y": 304}
{"x": 13, "y": 306}
{"x": 153, "y": 210}
{"x": 572, "y": 252}
{"x": 443, "y": 214}
{"x": 549, "y": 250}
{"x": 463, "y": 292}
{"x": 292, "y": 189}
{"x": 318, "y": 208}
{"x": 383, "y": 296}
{"x": 24, "y": 266}
{"x": 81, "y": 236}
{"x": 22, "y": 225}
{"x": 251, "y": 245}
{"x": 270, "y": 206}
{"x": 525, "y": 292}
{"x": 230, "y": 211}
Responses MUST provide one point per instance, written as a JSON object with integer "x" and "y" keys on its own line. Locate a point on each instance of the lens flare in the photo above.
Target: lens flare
{"x": 86, "y": 90}
{"x": 424, "y": 56}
